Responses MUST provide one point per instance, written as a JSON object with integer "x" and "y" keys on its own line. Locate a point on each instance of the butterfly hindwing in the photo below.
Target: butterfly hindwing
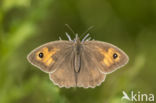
{"x": 89, "y": 74}
{"x": 64, "y": 76}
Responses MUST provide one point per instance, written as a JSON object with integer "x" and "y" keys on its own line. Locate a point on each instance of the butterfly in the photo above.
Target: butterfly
{"x": 78, "y": 63}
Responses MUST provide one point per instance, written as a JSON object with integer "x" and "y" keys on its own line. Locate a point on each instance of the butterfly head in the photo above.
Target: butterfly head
{"x": 77, "y": 38}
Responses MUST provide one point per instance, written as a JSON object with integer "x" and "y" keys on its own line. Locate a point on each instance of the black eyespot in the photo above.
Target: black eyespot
{"x": 115, "y": 55}
{"x": 41, "y": 55}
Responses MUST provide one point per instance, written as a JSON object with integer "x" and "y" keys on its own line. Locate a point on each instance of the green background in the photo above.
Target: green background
{"x": 26, "y": 24}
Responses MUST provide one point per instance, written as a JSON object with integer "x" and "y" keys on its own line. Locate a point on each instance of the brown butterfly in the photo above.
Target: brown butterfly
{"x": 76, "y": 63}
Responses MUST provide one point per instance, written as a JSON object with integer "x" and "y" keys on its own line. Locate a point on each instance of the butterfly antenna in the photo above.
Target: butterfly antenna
{"x": 85, "y": 37}
{"x": 86, "y": 32}
{"x": 70, "y": 28}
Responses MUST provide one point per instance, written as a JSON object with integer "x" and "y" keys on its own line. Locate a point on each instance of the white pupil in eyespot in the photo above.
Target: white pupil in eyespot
{"x": 115, "y": 55}
{"x": 41, "y": 55}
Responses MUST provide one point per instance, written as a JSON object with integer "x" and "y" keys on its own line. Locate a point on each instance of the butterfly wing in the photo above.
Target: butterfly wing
{"x": 48, "y": 56}
{"x": 64, "y": 76}
{"x": 97, "y": 60}
{"x": 89, "y": 74}
{"x": 107, "y": 57}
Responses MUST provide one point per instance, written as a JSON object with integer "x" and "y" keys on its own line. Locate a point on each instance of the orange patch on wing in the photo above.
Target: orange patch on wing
{"x": 47, "y": 58}
{"x": 108, "y": 56}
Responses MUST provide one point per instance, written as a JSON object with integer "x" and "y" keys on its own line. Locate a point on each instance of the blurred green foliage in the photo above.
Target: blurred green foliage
{"x": 26, "y": 24}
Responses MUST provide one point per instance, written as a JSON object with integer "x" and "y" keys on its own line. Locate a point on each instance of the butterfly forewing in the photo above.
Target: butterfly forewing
{"x": 48, "y": 56}
{"x": 107, "y": 57}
